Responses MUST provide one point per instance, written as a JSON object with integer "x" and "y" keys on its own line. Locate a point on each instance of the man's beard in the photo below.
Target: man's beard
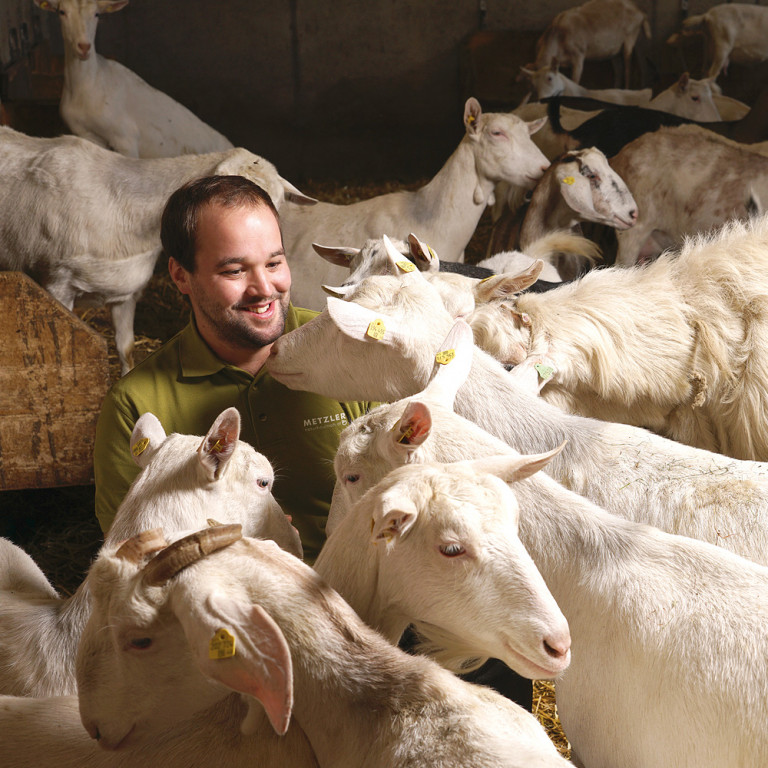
{"x": 233, "y": 327}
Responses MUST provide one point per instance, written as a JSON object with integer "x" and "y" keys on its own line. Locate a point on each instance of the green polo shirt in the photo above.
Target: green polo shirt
{"x": 186, "y": 386}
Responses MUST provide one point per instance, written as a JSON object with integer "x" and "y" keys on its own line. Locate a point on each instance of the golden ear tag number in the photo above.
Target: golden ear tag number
{"x": 140, "y": 446}
{"x": 569, "y": 180}
{"x": 406, "y": 435}
{"x": 406, "y": 266}
{"x": 445, "y": 356}
{"x": 545, "y": 371}
{"x": 376, "y": 330}
{"x": 222, "y": 645}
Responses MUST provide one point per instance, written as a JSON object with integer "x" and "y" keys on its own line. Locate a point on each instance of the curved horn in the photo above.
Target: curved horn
{"x": 189, "y": 550}
{"x": 135, "y": 549}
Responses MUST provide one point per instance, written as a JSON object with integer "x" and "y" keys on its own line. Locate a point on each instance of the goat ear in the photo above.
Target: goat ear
{"x": 147, "y": 436}
{"x": 296, "y": 195}
{"x": 338, "y": 291}
{"x": 413, "y": 427}
{"x": 504, "y": 286}
{"x": 528, "y": 70}
{"x": 472, "y": 114}
{"x": 423, "y": 256}
{"x": 393, "y": 520}
{"x": 512, "y": 468}
{"x": 338, "y": 255}
{"x": 111, "y": 6}
{"x": 460, "y": 345}
{"x": 362, "y": 323}
{"x": 48, "y": 5}
{"x": 684, "y": 82}
{"x": 239, "y": 645}
{"x": 219, "y": 444}
{"x": 400, "y": 265}
{"x": 536, "y": 125}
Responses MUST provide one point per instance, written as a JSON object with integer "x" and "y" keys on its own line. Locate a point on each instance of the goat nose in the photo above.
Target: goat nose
{"x": 84, "y": 47}
{"x": 633, "y": 214}
{"x": 557, "y": 646}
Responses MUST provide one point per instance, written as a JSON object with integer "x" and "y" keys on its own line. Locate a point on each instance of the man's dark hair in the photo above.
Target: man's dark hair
{"x": 178, "y": 227}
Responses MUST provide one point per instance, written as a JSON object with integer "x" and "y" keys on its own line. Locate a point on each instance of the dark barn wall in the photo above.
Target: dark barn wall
{"x": 351, "y": 89}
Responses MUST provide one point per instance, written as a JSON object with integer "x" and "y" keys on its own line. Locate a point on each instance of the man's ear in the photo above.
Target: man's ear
{"x": 179, "y": 275}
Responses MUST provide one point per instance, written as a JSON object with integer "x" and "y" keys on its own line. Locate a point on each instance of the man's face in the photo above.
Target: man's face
{"x": 240, "y": 288}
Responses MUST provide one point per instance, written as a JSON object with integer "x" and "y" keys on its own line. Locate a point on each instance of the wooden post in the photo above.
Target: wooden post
{"x": 53, "y": 377}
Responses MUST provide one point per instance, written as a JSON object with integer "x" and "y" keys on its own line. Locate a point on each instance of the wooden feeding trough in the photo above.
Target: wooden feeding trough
{"x": 53, "y": 378}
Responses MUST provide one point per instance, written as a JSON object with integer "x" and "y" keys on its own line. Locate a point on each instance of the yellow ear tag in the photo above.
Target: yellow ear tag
{"x": 569, "y": 180}
{"x": 445, "y": 356}
{"x": 406, "y": 435}
{"x": 406, "y": 266}
{"x": 376, "y": 330}
{"x": 140, "y": 446}
{"x": 431, "y": 252}
{"x": 485, "y": 279}
{"x": 222, "y": 645}
{"x": 217, "y": 447}
{"x": 545, "y": 371}
{"x": 471, "y": 119}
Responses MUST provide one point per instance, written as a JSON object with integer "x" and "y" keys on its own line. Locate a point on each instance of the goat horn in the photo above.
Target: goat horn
{"x": 189, "y": 550}
{"x": 135, "y": 549}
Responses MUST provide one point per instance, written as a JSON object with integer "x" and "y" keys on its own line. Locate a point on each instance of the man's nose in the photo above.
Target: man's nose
{"x": 259, "y": 284}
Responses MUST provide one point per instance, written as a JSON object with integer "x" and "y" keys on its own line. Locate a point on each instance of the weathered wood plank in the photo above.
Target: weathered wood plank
{"x": 53, "y": 378}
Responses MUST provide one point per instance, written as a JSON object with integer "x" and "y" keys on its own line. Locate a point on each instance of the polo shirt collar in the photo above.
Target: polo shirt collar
{"x": 197, "y": 360}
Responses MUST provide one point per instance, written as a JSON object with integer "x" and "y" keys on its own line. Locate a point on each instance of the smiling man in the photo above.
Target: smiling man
{"x": 225, "y": 253}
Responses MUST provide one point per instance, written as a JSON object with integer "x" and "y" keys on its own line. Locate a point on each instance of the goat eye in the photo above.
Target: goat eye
{"x": 140, "y": 643}
{"x": 262, "y": 482}
{"x": 351, "y": 478}
{"x": 452, "y": 550}
{"x": 497, "y": 133}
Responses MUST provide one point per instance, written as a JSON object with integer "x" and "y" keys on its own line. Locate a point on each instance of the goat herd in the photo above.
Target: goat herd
{"x": 632, "y": 569}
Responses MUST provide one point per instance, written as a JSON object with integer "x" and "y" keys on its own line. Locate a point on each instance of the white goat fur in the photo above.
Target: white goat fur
{"x": 658, "y": 621}
{"x": 456, "y": 289}
{"x": 679, "y": 346}
{"x": 48, "y": 733}
{"x": 85, "y": 222}
{"x": 303, "y": 651}
{"x": 437, "y": 526}
{"x": 597, "y": 29}
{"x": 444, "y": 213}
{"x": 548, "y": 81}
{"x": 714, "y": 181}
{"x": 109, "y": 104}
{"x": 734, "y": 32}
{"x": 626, "y": 470}
{"x": 176, "y": 489}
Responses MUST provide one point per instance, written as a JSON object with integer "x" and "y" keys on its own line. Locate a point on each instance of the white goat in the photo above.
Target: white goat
{"x": 714, "y": 181}
{"x": 444, "y": 212}
{"x": 655, "y": 633}
{"x": 579, "y": 186}
{"x": 689, "y": 98}
{"x": 107, "y": 103}
{"x": 85, "y": 222}
{"x": 550, "y": 81}
{"x": 734, "y": 32}
{"x": 434, "y": 527}
{"x": 185, "y": 480}
{"x": 48, "y": 733}
{"x": 298, "y": 648}
{"x": 628, "y": 471}
{"x": 677, "y": 346}
{"x": 597, "y": 29}
{"x": 455, "y": 282}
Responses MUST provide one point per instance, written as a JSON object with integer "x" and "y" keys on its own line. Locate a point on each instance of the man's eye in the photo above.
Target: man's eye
{"x": 232, "y": 272}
